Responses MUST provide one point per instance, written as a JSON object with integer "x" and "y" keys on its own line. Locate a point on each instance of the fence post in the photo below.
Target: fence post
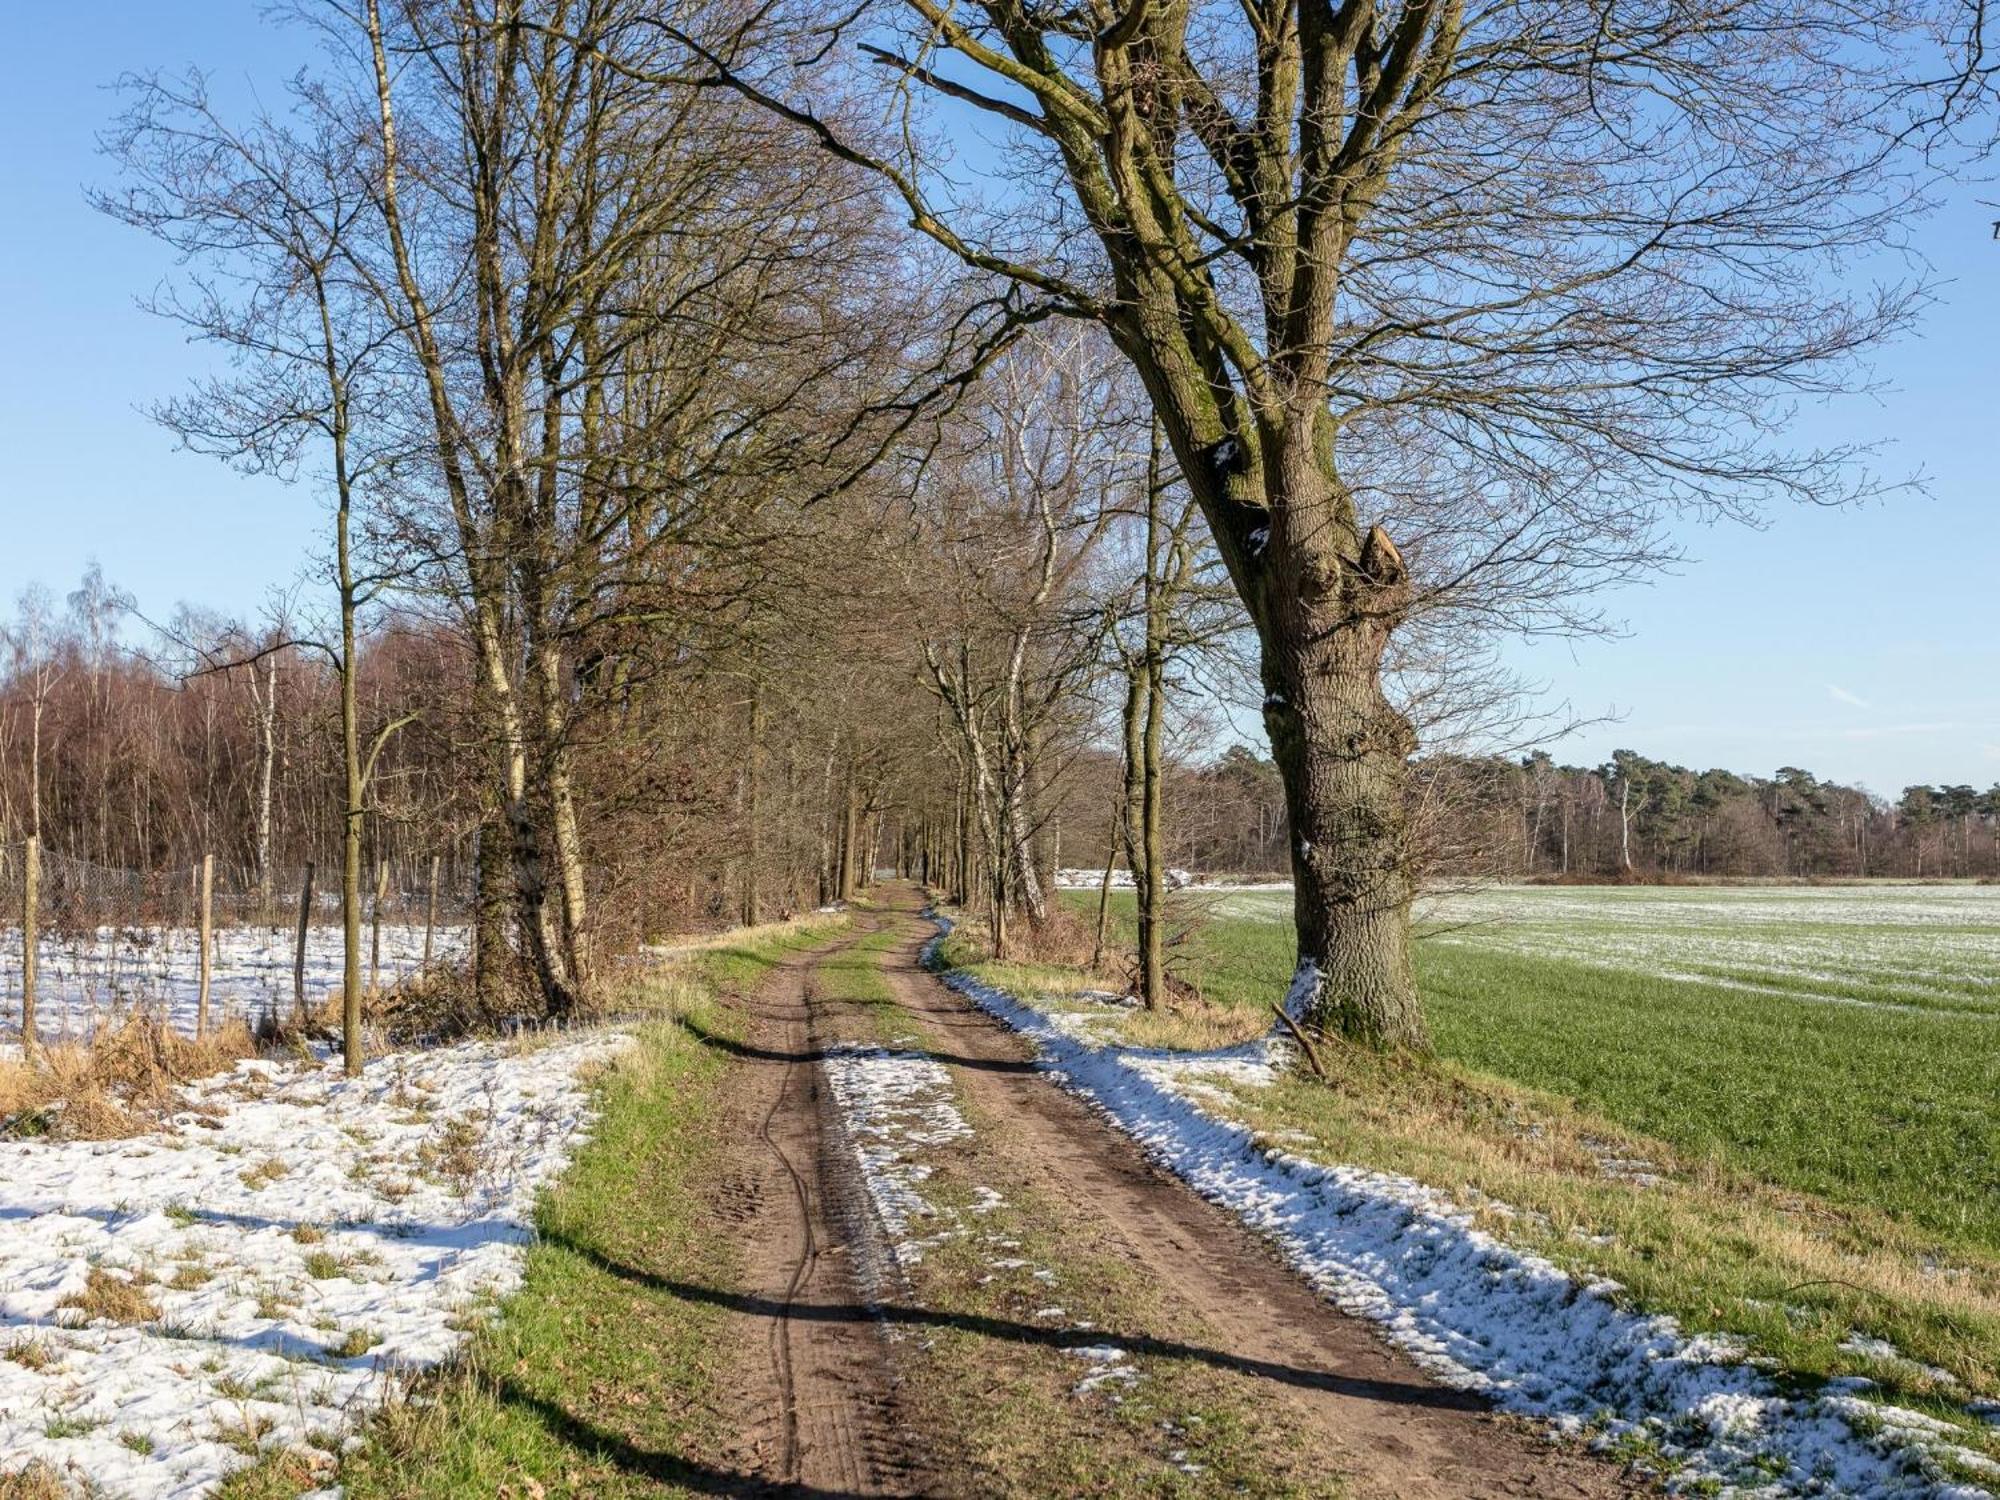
{"x": 299, "y": 957}
{"x": 31, "y": 890}
{"x": 207, "y": 934}
{"x": 375, "y": 934}
{"x": 431, "y": 912}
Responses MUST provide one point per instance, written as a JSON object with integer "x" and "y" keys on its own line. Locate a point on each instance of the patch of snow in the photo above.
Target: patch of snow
{"x": 1869, "y": 1347}
{"x": 1486, "y": 1317}
{"x": 290, "y": 1210}
{"x": 1071, "y": 879}
{"x": 895, "y": 1104}
{"x": 97, "y": 978}
{"x": 1883, "y": 1352}
{"x": 1304, "y": 989}
{"x": 1111, "y": 1366}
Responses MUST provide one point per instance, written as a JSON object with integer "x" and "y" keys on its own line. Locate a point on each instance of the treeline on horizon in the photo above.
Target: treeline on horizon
{"x": 138, "y": 761}
{"x": 1630, "y": 818}
{"x": 133, "y": 753}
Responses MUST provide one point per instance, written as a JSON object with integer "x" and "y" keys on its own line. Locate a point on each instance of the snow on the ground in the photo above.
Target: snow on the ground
{"x": 897, "y": 1104}
{"x": 1933, "y": 949}
{"x": 87, "y": 980}
{"x": 1483, "y": 1316}
{"x": 894, "y": 1104}
{"x": 302, "y": 1238}
{"x": 1179, "y": 880}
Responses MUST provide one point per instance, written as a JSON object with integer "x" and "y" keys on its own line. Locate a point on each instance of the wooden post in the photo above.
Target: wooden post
{"x": 431, "y": 911}
{"x": 299, "y": 957}
{"x": 31, "y": 892}
{"x": 375, "y": 935}
{"x": 207, "y": 909}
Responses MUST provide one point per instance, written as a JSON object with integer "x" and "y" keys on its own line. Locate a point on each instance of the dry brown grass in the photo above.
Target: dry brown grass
{"x": 266, "y": 1172}
{"x": 354, "y": 1344}
{"x": 1062, "y": 939}
{"x": 39, "y": 1481}
{"x": 119, "y": 1083}
{"x": 1192, "y": 1026}
{"x": 1054, "y": 964}
{"x": 455, "y": 1153}
{"x": 111, "y": 1298}
{"x": 30, "y": 1353}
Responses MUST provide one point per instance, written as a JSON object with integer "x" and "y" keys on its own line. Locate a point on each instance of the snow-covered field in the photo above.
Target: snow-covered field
{"x": 85, "y": 982}
{"x": 1927, "y": 947}
{"x": 1121, "y": 880}
{"x": 283, "y": 1251}
{"x": 1484, "y": 1316}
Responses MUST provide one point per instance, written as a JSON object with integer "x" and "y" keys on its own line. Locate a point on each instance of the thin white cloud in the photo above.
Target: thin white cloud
{"x": 1884, "y": 731}
{"x": 1842, "y": 695}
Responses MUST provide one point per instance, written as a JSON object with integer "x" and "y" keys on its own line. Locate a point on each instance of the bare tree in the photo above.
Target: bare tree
{"x": 1505, "y": 284}
{"x": 266, "y": 212}
{"x": 1007, "y": 641}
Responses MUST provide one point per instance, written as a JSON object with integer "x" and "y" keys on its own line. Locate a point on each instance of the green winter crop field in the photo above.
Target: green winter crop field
{"x": 1842, "y": 1041}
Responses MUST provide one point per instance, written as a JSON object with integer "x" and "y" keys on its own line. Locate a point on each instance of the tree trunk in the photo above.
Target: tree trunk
{"x": 492, "y": 957}
{"x": 961, "y": 876}
{"x": 267, "y": 760}
{"x": 568, "y": 842}
{"x": 850, "y": 838}
{"x": 1625, "y": 824}
{"x": 1132, "y": 828}
{"x": 753, "y": 853}
{"x": 1153, "y": 891}
{"x": 1342, "y": 751}
{"x": 350, "y": 837}
{"x": 1104, "y": 889}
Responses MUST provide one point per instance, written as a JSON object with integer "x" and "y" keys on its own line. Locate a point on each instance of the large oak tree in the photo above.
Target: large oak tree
{"x": 1443, "y": 307}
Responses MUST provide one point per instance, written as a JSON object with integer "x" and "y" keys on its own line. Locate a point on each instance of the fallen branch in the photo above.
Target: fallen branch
{"x": 1304, "y": 1041}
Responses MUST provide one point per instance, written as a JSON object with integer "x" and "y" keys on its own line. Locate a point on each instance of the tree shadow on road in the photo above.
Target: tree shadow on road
{"x": 646, "y": 1463}
{"x": 904, "y": 1315}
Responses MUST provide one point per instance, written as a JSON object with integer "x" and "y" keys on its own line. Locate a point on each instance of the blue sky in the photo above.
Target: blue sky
{"x": 1862, "y": 644}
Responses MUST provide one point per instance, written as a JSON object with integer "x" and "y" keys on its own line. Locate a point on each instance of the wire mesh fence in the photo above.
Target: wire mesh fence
{"x": 111, "y": 943}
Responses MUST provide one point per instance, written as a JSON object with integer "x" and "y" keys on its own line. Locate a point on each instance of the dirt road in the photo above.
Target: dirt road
{"x": 818, "y": 1389}
{"x": 814, "y": 1398}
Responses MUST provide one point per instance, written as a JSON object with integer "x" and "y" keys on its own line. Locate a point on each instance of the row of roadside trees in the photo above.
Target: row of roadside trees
{"x": 704, "y": 420}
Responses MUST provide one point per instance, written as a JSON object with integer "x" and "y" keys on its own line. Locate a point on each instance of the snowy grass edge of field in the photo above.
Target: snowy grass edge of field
{"x": 393, "y": 1210}
{"x": 1483, "y": 1316}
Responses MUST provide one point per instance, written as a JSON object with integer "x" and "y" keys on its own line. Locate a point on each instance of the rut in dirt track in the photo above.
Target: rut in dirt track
{"x": 815, "y": 1399}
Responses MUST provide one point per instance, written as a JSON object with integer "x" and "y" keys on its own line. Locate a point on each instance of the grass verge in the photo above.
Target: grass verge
{"x": 1749, "y": 1164}
{"x": 596, "y": 1379}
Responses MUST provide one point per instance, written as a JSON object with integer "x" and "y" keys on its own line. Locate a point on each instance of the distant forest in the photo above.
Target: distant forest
{"x": 1632, "y": 817}
{"x": 141, "y": 763}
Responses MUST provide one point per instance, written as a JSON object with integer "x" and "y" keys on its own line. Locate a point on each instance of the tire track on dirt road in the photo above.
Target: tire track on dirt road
{"x": 821, "y": 1413}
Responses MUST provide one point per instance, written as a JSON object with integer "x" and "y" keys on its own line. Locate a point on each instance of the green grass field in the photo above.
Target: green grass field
{"x": 1844, "y": 1041}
